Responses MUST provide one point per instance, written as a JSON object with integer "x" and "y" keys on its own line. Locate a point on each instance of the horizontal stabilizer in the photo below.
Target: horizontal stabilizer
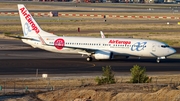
{"x": 19, "y": 37}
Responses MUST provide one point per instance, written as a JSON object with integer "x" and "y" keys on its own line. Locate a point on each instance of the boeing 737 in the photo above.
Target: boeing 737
{"x": 98, "y": 48}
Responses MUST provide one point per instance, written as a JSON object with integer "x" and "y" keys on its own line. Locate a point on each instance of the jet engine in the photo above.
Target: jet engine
{"x": 99, "y": 55}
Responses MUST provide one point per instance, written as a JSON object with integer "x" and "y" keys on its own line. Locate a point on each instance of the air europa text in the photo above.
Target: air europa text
{"x": 119, "y": 42}
{"x": 29, "y": 19}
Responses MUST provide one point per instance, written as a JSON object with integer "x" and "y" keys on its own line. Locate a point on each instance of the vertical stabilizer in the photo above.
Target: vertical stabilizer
{"x": 29, "y": 25}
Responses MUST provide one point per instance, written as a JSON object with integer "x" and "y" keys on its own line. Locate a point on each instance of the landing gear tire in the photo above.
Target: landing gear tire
{"x": 127, "y": 57}
{"x": 158, "y": 60}
{"x": 89, "y": 59}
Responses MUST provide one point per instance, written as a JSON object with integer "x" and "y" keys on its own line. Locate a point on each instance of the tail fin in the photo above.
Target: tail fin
{"x": 29, "y": 25}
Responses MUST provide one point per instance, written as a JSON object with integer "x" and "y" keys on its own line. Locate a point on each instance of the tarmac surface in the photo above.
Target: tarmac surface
{"x": 25, "y": 60}
{"x": 99, "y": 7}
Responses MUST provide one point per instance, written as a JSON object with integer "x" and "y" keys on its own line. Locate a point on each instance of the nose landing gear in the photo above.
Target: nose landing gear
{"x": 158, "y": 60}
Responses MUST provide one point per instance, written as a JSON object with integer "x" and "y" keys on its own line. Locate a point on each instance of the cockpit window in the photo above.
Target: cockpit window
{"x": 164, "y": 46}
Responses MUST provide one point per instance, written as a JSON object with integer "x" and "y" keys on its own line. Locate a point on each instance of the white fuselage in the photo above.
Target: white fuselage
{"x": 118, "y": 46}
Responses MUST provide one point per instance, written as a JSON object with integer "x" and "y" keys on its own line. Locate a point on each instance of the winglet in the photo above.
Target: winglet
{"x": 102, "y": 34}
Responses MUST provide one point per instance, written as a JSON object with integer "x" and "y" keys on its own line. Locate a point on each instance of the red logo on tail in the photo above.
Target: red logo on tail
{"x": 59, "y": 43}
{"x": 29, "y": 19}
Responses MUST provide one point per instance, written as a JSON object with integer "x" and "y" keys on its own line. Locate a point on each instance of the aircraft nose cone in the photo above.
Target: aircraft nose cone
{"x": 172, "y": 51}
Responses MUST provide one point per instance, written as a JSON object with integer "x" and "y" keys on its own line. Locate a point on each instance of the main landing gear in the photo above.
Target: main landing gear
{"x": 89, "y": 59}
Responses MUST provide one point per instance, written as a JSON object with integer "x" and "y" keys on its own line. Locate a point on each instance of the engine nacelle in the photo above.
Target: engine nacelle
{"x": 99, "y": 55}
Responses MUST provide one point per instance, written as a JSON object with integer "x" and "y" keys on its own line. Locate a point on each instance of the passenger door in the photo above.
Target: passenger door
{"x": 153, "y": 47}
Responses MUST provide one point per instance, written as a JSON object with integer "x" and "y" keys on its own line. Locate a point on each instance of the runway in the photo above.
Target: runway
{"x": 99, "y": 7}
{"x": 26, "y": 60}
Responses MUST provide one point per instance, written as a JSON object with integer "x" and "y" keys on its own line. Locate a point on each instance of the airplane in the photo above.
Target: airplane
{"x": 98, "y": 48}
